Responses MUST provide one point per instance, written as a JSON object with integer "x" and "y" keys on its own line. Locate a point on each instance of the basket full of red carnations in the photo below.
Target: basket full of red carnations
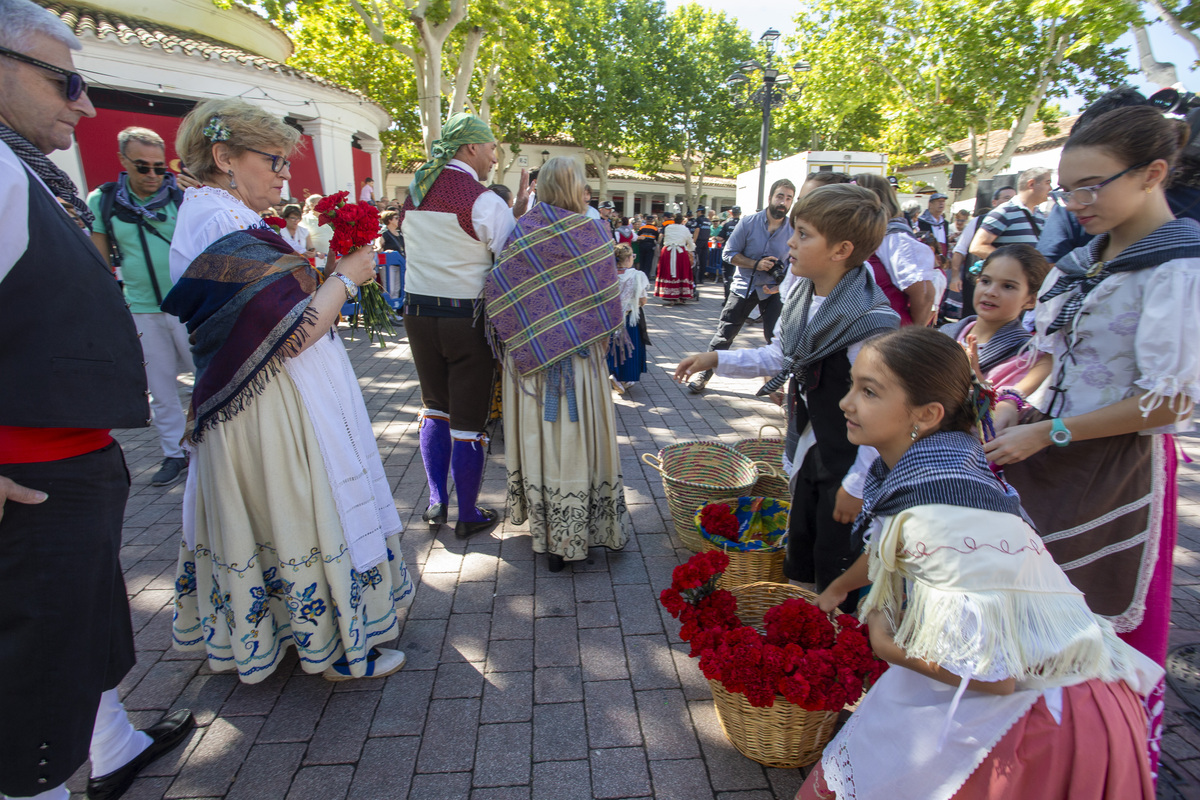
{"x": 752, "y": 531}
{"x": 780, "y": 670}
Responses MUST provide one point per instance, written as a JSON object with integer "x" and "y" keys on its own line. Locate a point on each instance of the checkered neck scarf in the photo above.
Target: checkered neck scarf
{"x": 59, "y": 182}
{"x": 944, "y": 468}
{"x": 855, "y": 310}
{"x": 1082, "y": 270}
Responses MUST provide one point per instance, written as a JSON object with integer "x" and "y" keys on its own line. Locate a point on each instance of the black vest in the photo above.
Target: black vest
{"x": 828, "y": 382}
{"x": 69, "y": 351}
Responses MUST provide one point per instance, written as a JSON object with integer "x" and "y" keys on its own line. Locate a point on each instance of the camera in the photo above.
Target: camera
{"x": 778, "y": 270}
{"x": 1172, "y": 101}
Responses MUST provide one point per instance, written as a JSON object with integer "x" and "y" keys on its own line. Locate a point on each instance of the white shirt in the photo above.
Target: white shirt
{"x": 367, "y": 195}
{"x": 907, "y": 260}
{"x": 299, "y": 242}
{"x": 207, "y": 214}
{"x": 321, "y": 234}
{"x": 766, "y": 361}
{"x": 968, "y": 233}
{"x": 592, "y": 212}
{"x": 491, "y": 216}
{"x": 14, "y": 206}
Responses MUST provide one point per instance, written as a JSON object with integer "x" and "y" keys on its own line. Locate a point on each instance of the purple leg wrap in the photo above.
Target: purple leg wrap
{"x": 435, "y": 453}
{"x": 466, "y": 465}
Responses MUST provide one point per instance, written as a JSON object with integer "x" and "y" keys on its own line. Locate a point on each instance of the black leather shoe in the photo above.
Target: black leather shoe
{"x": 464, "y": 530}
{"x": 435, "y": 515}
{"x": 555, "y": 562}
{"x": 164, "y": 735}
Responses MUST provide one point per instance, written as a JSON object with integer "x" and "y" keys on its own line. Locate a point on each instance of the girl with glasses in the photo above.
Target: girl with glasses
{"x": 1118, "y": 371}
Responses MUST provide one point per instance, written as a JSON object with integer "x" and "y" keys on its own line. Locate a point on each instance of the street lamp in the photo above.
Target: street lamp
{"x": 771, "y": 93}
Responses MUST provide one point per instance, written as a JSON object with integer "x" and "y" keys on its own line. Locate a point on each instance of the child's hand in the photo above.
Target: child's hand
{"x": 1005, "y": 415}
{"x": 693, "y": 364}
{"x": 846, "y": 507}
{"x": 829, "y": 600}
{"x": 972, "y": 348}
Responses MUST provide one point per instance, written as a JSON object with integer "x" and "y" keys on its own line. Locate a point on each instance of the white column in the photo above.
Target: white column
{"x": 628, "y": 212}
{"x": 331, "y": 145}
{"x": 375, "y": 147}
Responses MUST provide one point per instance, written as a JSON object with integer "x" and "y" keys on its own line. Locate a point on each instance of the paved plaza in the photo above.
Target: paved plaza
{"x": 521, "y": 684}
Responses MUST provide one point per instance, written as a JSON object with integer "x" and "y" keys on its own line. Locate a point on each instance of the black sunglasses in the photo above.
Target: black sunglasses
{"x": 144, "y": 168}
{"x": 73, "y": 86}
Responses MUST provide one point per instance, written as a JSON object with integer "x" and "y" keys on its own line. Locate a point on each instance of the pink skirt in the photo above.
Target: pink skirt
{"x": 1098, "y": 752}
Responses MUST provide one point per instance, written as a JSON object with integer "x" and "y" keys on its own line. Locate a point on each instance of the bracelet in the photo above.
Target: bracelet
{"x": 1016, "y": 397}
{"x": 351, "y": 286}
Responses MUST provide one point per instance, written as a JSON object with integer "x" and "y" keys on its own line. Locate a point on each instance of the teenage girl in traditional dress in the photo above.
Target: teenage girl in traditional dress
{"x": 1003, "y": 683}
{"x": 1118, "y": 325}
{"x": 994, "y": 336}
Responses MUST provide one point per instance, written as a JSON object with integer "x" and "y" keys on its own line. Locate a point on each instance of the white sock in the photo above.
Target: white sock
{"x": 115, "y": 742}
{"x": 57, "y": 793}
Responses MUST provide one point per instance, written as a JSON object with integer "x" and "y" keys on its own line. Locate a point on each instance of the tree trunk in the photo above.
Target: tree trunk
{"x": 1157, "y": 72}
{"x": 1176, "y": 25}
{"x": 602, "y": 160}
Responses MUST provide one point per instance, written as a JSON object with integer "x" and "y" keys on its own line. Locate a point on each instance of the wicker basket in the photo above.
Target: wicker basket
{"x": 695, "y": 473}
{"x": 771, "y": 451}
{"x": 784, "y": 735}
{"x": 750, "y": 566}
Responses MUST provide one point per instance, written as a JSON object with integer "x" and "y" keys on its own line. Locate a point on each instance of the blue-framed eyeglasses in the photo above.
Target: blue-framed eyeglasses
{"x": 278, "y": 163}
{"x": 1086, "y": 195}
{"x": 73, "y": 83}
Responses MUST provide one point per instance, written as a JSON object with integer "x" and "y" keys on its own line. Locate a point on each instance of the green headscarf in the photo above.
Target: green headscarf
{"x": 460, "y": 129}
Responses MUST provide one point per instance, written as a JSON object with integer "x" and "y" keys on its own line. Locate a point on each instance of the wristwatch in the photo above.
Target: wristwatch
{"x": 1059, "y": 433}
{"x": 351, "y": 286}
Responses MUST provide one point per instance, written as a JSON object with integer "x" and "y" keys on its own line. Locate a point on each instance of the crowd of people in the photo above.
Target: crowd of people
{"x": 995, "y": 498}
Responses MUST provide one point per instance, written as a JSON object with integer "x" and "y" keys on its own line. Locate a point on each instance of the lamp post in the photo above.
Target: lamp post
{"x": 771, "y": 93}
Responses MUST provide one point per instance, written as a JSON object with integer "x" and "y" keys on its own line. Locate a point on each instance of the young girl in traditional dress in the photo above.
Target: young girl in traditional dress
{"x": 674, "y": 284}
{"x": 1004, "y": 684}
{"x": 994, "y": 336}
{"x": 633, "y": 296}
{"x": 1118, "y": 327}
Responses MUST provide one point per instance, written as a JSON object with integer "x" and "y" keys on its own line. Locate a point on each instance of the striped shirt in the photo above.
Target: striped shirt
{"x": 1010, "y": 223}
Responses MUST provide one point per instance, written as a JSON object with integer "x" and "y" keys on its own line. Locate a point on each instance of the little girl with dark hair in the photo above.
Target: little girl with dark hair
{"x": 1004, "y": 684}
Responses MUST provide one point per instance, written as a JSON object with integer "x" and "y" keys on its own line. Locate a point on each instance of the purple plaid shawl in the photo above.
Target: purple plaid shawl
{"x": 554, "y": 290}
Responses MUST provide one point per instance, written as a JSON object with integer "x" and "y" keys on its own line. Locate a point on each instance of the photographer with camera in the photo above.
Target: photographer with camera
{"x": 758, "y": 248}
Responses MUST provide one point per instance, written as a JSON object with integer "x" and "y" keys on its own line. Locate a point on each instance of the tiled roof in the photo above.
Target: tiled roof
{"x": 629, "y": 174}
{"x": 130, "y": 31}
{"x": 1035, "y": 139}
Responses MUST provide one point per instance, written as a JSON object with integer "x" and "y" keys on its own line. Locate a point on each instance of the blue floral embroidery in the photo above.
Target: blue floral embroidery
{"x": 186, "y": 583}
{"x": 273, "y": 588}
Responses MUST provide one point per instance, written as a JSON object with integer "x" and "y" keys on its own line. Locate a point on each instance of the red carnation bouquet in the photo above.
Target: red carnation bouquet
{"x": 356, "y": 225}
{"x": 816, "y": 663}
{"x": 278, "y": 223}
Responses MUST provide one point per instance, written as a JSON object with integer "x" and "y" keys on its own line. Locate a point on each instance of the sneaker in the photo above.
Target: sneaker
{"x": 697, "y": 385}
{"x": 170, "y": 473}
{"x": 381, "y": 662}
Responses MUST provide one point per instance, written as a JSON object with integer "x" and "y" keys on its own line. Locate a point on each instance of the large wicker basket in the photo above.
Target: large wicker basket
{"x": 695, "y": 473}
{"x": 769, "y": 450}
{"x": 784, "y": 735}
{"x": 753, "y": 565}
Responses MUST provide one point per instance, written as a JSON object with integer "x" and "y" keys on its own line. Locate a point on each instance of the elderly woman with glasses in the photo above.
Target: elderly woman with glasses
{"x": 290, "y": 531}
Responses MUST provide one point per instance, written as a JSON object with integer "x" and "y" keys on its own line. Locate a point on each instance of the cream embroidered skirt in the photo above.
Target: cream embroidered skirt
{"x": 270, "y": 568}
{"x": 563, "y": 476}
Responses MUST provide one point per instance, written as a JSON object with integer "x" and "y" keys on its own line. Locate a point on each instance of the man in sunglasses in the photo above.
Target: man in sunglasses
{"x": 71, "y": 367}
{"x": 135, "y": 220}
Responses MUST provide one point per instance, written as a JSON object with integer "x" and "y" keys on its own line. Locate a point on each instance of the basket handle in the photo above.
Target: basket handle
{"x": 772, "y": 427}
{"x": 763, "y": 466}
{"x": 656, "y": 463}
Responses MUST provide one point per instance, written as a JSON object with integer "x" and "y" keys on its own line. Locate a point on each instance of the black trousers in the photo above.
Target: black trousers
{"x": 701, "y": 262}
{"x": 65, "y": 632}
{"x": 646, "y": 261}
{"x": 818, "y": 548}
{"x": 737, "y": 310}
{"x": 455, "y": 367}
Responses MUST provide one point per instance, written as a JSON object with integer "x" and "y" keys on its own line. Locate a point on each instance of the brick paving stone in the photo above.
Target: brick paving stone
{"x": 164, "y": 682}
{"x": 619, "y": 773}
{"x": 510, "y": 655}
{"x": 638, "y": 608}
{"x": 295, "y": 716}
{"x": 150, "y": 789}
{"x": 256, "y": 699}
{"x": 343, "y": 728}
{"x": 591, "y": 587}
{"x": 602, "y": 654}
{"x": 555, "y": 598}
{"x": 508, "y": 697}
{"x": 555, "y": 642}
{"x": 442, "y": 560}
{"x": 422, "y": 643}
{"x": 628, "y": 568}
{"x": 321, "y": 783}
{"x": 267, "y": 772}
{"x": 612, "y": 719}
{"x": 466, "y": 637}
{"x": 385, "y": 769}
{"x": 435, "y": 596}
{"x": 501, "y": 793}
{"x": 562, "y": 780}
{"x": 512, "y": 618}
{"x": 205, "y": 695}
{"x": 475, "y": 597}
{"x": 458, "y": 680}
{"x": 559, "y": 732}
{"x": 403, "y": 704}
{"x": 756, "y": 795}
{"x": 727, "y": 768}
{"x": 503, "y": 754}
{"x": 786, "y": 782}
{"x": 597, "y": 615}
{"x": 557, "y": 684}
{"x": 444, "y": 786}
{"x": 680, "y": 780}
{"x": 448, "y": 744}
{"x": 515, "y": 577}
{"x": 208, "y": 771}
{"x": 666, "y": 725}
{"x": 479, "y": 565}
{"x": 651, "y": 663}
{"x": 695, "y": 686}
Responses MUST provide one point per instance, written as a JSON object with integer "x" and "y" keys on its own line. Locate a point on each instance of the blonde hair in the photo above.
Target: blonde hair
{"x": 248, "y": 125}
{"x": 623, "y": 253}
{"x": 845, "y": 213}
{"x": 561, "y": 183}
{"x": 883, "y": 189}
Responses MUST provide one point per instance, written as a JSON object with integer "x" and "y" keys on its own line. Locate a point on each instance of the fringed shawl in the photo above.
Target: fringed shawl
{"x": 243, "y": 300}
{"x": 554, "y": 290}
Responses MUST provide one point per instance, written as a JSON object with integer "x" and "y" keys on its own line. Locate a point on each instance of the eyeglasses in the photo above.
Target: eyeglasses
{"x": 1086, "y": 195}
{"x": 144, "y": 169}
{"x": 278, "y": 163}
{"x": 73, "y": 86}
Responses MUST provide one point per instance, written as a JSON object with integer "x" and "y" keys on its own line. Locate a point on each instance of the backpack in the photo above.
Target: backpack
{"x": 109, "y": 209}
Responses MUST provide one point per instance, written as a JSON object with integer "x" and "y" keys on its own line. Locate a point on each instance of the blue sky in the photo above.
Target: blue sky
{"x": 758, "y": 15}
